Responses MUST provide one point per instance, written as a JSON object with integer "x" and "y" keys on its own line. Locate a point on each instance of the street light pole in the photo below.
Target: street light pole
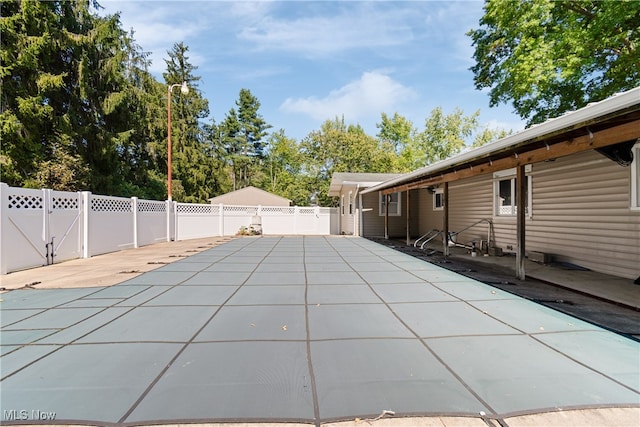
{"x": 185, "y": 90}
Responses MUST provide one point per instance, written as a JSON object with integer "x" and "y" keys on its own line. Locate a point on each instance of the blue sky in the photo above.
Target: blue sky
{"x": 309, "y": 61}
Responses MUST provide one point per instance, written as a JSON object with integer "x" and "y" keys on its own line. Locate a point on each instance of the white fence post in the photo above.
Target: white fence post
{"x": 221, "y": 219}
{"x": 168, "y": 202}
{"x": 134, "y": 211}
{"x": 86, "y": 208}
{"x": 296, "y": 213}
{"x": 174, "y": 210}
{"x": 4, "y": 268}
{"x": 46, "y": 211}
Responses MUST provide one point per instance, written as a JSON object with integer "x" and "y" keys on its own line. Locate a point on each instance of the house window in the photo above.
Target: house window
{"x": 394, "y": 204}
{"x": 505, "y": 193}
{"x": 438, "y": 199}
{"x": 342, "y": 205}
{"x": 350, "y": 203}
{"x": 635, "y": 177}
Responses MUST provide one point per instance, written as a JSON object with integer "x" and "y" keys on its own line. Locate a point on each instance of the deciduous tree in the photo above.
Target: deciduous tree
{"x": 547, "y": 57}
{"x": 338, "y": 147}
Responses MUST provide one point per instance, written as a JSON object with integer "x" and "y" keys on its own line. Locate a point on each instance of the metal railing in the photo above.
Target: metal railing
{"x": 453, "y": 235}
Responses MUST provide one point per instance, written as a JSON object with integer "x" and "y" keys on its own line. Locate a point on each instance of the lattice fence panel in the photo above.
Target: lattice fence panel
{"x": 99, "y": 204}
{"x": 65, "y": 203}
{"x": 151, "y": 206}
{"x": 17, "y": 201}
{"x": 241, "y": 210}
{"x": 194, "y": 208}
{"x": 277, "y": 210}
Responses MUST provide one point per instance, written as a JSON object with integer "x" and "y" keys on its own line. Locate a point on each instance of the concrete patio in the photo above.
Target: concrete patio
{"x": 309, "y": 330}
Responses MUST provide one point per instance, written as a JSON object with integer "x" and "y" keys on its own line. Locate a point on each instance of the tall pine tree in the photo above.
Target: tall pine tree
{"x": 191, "y": 166}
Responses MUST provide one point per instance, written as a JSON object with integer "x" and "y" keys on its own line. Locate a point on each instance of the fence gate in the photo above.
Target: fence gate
{"x": 39, "y": 227}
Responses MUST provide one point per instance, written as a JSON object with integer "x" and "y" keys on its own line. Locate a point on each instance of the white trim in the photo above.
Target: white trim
{"x": 635, "y": 178}
{"x": 436, "y": 192}
{"x": 350, "y": 202}
{"x": 511, "y": 210}
{"x": 392, "y": 212}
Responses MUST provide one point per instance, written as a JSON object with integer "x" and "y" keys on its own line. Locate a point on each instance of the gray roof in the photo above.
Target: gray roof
{"x": 251, "y": 196}
{"x": 364, "y": 180}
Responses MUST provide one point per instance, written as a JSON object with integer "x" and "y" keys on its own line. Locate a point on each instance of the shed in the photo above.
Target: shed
{"x": 251, "y": 196}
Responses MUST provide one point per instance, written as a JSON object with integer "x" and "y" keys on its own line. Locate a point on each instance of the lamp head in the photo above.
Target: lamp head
{"x": 184, "y": 88}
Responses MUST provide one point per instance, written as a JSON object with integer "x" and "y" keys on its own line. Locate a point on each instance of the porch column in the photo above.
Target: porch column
{"x": 360, "y": 225}
{"x": 408, "y": 222}
{"x": 521, "y": 188}
{"x": 445, "y": 220}
{"x": 386, "y": 216}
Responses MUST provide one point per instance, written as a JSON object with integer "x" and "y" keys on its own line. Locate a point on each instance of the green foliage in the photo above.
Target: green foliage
{"x": 77, "y": 100}
{"x": 547, "y": 57}
{"x": 396, "y": 130}
{"x": 337, "y": 147}
{"x": 63, "y": 172}
{"x": 243, "y": 138}
{"x": 487, "y": 135}
{"x": 443, "y": 136}
{"x": 191, "y": 165}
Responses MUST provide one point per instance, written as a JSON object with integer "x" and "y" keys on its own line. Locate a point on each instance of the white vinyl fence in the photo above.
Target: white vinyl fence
{"x": 41, "y": 227}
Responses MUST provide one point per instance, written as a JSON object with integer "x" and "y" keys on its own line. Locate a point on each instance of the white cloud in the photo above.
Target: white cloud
{"x": 331, "y": 30}
{"x": 374, "y": 93}
{"x": 158, "y": 25}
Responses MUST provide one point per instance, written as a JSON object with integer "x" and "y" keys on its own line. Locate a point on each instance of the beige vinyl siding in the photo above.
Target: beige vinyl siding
{"x": 414, "y": 211}
{"x": 429, "y": 219}
{"x": 470, "y": 201}
{"x": 374, "y": 222}
{"x": 581, "y": 214}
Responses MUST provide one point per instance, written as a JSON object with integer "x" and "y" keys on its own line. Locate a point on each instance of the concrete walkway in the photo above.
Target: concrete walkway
{"x": 107, "y": 269}
{"x": 313, "y": 330}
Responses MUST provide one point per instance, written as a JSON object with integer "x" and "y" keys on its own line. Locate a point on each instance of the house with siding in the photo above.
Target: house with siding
{"x": 577, "y": 177}
{"x": 352, "y": 216}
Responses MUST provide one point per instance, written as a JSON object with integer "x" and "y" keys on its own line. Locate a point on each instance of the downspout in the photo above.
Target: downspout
{"x": 521, "y": 182}
{"x": 408, "y": 220}
{"x": 445, "y": 220}
{"x": 386, "y": 216}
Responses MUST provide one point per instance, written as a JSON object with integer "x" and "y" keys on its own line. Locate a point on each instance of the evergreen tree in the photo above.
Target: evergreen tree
{"x": 191, "y": 166}
{"x": 77, "y": 101}
{"x": 229, "y": 132}
{"x": 253, "y": 129}
{"x": 41, "y": 44}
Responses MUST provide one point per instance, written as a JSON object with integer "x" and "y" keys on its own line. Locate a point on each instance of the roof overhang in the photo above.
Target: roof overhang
{"x": 598, "y": 125}
{"x": 339, "y": 180}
